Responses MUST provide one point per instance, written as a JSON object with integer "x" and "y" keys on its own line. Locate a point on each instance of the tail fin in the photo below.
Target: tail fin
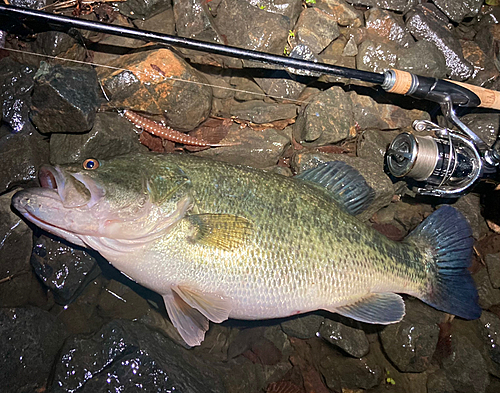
{"x": 448, "y": 236}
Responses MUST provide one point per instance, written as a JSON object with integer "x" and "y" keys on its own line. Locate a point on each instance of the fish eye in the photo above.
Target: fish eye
{"x": 91, "y": 164}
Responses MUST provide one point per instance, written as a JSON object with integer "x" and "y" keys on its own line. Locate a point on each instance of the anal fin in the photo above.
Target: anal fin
{"x": 377, "y": 308}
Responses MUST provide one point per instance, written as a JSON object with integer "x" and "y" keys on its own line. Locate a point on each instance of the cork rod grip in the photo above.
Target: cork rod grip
{"x": 489, "y": 98}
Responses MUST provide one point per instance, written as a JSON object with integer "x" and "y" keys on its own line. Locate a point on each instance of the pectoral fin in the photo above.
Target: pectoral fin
{"x": 214, "y": 307}
{"x": 380, "y": 308}
{"x": 224, "y": 231}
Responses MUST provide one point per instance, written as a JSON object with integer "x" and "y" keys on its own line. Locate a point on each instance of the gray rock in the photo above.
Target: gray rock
{"x": 62, "y": 268}
{"x": 193, "y": 21}
{"x": 34, "y": 4}
{"x": 328, "y": 118}
{"x": 17, "y": 281}
{"x": 350, "y": 48}
{"x": 259, "y": 149}
{"x": 484, "y": 125}
{"x": 350, "y": 340}
{"x": 376, "y": 57}
{"x": 470, "y": 206}
{"x": 425, "y": 23}
{"x": 288, "y": 8}
{"x": 373, "y": 174}
{"x": 438, "y": 383}
{"x": 493, "y": 265}
{"x": 160, "y": 23}
{"x": 64, "y": 99}
{"x": 261, "y": 112}
{"x": 490, "y": 324}
{"x": 488, "y": 296}
{"x": 112, "y": 135}
{"x": 393, "y": 5}
{"x": 247, "y": 89}
{"x": 140, "y": 9}
{"x": 345, "y": 14}
{"x": 423, "y": 58}
{"x": 373, "y": 144}
{"x": 30, "y": 339}
{"x": 410, "y": 346}
{"x": 316, "y": 29}
{"x": 250, "y": 27}
{"x": 465, "y": 368}
{"x": 124, "y": 355}
{"x": 388, "y": 27}
{"x": 53, "y": 43}
{"x": 303, "y": 326}
{"x": 280, "y": 87}
{"x": 458, "y": 10}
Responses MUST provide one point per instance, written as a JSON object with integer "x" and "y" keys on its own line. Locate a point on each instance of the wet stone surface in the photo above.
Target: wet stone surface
{"x": 30, "y": 339}
{"x": 261, "y": 112}
{"x": 124, "y": 355}
{"x": 62, "y": 267}
{"x": 302, "y": 327}
{"x": 393, "y": 5}
{"x": 351, "y": 340}
{"x": 65, "y": 99}
{"x": 316, "y": 29}
{"x": 139, "y": 9}
{"x": 459, "y": 10}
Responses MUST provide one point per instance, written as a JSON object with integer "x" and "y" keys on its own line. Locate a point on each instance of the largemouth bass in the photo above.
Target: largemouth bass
{"x": 220, "y": 241}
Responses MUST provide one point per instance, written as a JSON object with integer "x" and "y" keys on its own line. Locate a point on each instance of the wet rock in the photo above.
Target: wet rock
{"x": 34, "y": 4}
{"x": 240, "y": 375}
{"x": 351, "y": 340}
{"x": 484, "y": 66}
{"x": 320, "y": 125}
{"x": 484, "y": 125}
{"x": 470, "y": 206}
{"x": 376, "y": 57}
{"x": 392, "y": 5}
{"x": 154, "y": 83}
{"x": 370, "y": 114}
{"x": 112, "y": 135}
{"x": 65, "y": 99}
{"x": 350, "y": 48}
{"x": 16, "y": 86}
{"x": 216, "y": 342}
{"x": 493, "y": 265}
{"x": 316, "y": 29}
{"x": 425, "y": 22}
{"x": 54, "y": 43}
{"x": 373, "y": 144}
{"x": 124, "y": 355}
{"x": 277, "y": 85}
{"x": 160, "y": 23}
{"x": 345, "y": 14}
{"x": 259, "y": 149}
{"x": 410, "y": 345}
{"x": 61, "y": 267}
{"x": 373, "y": 174}
{"x": 303, "y": 327}
{"x": 438, "y": 383}
{"x": 423, "y": 58}
{"x": 458, "y": 10}
{"x": 488, "y": 295}
{"x": 193, "y": 20}
{"x": 247, "y": 89}
{"x": 247, "y": 26}
{"x": 385, "y": 25}
{"x": 465, "y": 368}
{"x": 261, "y": 112}
{"x": 490, "y": 324}
{"x": 288, "y": 8}
{"x": 30, "y": 339}
{"x": 17, "y": 282}
{"x": 140, "y": 9}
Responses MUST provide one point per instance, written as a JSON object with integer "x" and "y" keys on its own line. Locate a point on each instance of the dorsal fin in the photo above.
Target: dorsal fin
{"x": 345, "y": 183}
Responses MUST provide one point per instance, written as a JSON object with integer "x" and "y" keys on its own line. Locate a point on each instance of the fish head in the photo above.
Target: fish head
{"x": 129, "y": 198}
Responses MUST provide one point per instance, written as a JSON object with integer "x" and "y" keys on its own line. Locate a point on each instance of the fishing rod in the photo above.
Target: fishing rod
{"x": 446, "y": 165}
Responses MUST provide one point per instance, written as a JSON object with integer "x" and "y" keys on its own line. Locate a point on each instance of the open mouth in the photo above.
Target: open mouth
{"x": 47, "y": 178}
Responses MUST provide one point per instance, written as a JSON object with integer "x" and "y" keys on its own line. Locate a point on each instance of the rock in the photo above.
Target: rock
{"x": 385, "y": 25}
{"x": 345, "y": 14}
{"x": 34, "y": 4}
{"x": 373, "y": 144}
{"x": 160, "y": 23}
{"x": 465, "y": 368}
{"x": 18, "y": 285}
{"x": 155, "y": 83}
{"x": 140, "y": 9}
{"x": 350, "y": 48}
{"x": 247, "y": 89}
{"x": 278, "y": 85}
{"x": 16, "y": 87}
{"x": 493, "y": 265}
{"x": 30, "y": 339}
{"x": 370, "y": 114}
{"x": 376, "y": 57}
{"x": 55, "y": 43}
{"x": 490, "y": 324}
{"x": 259, "y": 149}
{"x": 470, "y": 206}
{"x": 488, "y": 296}
{"x": 124, "y": 355}
{"x": 392, "y": 5}
{"x": 422, "y": 58}
{"x": 62, "y": 267}
{"x": 112, "y": 135}
{"x": 193, "y": 21}
{"x": 248, "y": 26}
{"x": 484, "y": 66}
{"x": 438, "y": 383}
{"x": 459, "y": 10}
{"x": 351, "y": 340}
{"x": 484, "y": 125}
{"x": 425, "y": 22}
{"x": 319, "y": 125}
{"x": 410, "y": 345}
{"x": 289, "y": 8}
{"x": 261, "y": 112}
{"x": 316, "y": 29}
{"x": 65, "y": 99}
{"x": 373, "y": 174}
{"x": 303, "y": 326}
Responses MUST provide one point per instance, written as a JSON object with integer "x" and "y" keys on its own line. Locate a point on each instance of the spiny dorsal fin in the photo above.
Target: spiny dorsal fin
{"x": 225, "y": 231}
{"x": 380, "y": 308}
{"x": 345, "y": 183}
